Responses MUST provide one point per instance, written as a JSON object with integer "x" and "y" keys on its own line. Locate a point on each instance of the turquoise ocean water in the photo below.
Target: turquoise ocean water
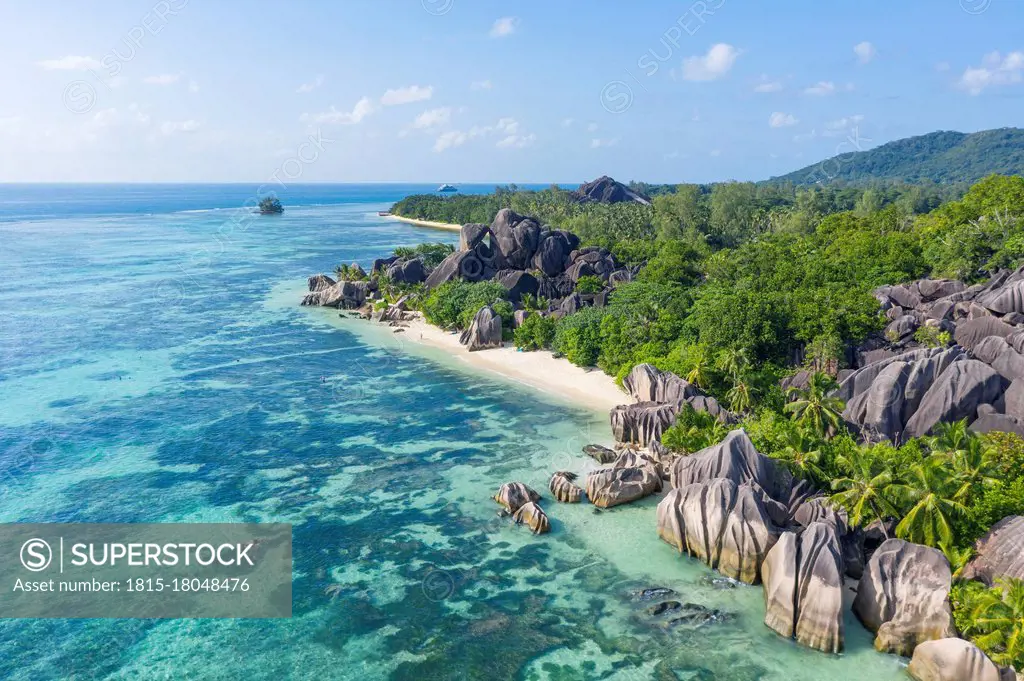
{"x": 155, "y": 366}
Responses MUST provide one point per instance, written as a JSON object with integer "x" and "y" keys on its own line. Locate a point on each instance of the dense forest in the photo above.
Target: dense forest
{"x": 945, "y": 156}
{"x": 740, "y": 285}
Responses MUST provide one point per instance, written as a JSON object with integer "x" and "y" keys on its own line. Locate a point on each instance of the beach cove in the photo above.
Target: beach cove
{"x": 216, "y": 398}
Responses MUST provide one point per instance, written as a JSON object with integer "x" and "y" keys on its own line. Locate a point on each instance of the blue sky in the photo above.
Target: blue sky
{"x": 462, "y": 91}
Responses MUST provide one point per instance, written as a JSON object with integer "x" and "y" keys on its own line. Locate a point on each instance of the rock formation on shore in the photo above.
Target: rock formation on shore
{"x": 903, "y": 597}
{"x": 484, "y": 332}
{"x": 1000, "y": 553}
{"x": 803, "y": 587}
{"x": 902, "y": 389}
{"x": 954, "y": 659}
{"x": 607, "y": 487}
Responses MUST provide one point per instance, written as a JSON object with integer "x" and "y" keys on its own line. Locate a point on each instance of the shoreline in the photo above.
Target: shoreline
{"x": 556, "y": 378}
{"x": 447, "y": 226}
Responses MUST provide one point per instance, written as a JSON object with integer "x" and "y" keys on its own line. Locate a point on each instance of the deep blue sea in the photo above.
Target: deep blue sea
{"x": 155, "y": 366}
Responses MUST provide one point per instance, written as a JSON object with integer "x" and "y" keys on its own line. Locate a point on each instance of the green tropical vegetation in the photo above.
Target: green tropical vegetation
{"x": 743, "y": 284}
{"x": 993, "y": 618}
{"x": 944, "y": 156}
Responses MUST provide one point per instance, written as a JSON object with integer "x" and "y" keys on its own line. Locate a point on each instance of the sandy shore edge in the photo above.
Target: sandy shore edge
{"x": 557, "y": 378}
{"x": 425, "y": 223}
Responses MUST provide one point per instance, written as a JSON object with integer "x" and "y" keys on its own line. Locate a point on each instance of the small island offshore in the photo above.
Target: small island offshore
{"x": 823, "y": 385}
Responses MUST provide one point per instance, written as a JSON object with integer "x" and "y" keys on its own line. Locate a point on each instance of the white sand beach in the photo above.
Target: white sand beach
{"x": 425, "y": 223}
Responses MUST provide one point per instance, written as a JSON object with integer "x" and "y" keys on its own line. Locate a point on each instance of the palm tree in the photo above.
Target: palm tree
{"x": 865, "y": 490}
{"x": 814, "y": 408}
{"x": 931, "y": 493}
{"x": 699, "y": 374}
{"x": 997, "y": 621}
{"x": 802, "y": 455}
{"x": 741, "y": 395}
{"x": 732, "y": 362}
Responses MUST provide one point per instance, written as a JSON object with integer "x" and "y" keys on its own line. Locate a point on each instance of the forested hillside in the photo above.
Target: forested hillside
{"x": 944, "y": 156}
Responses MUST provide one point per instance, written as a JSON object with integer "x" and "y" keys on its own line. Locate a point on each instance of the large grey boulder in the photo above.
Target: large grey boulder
{"x": 1001, "y": 423}
{"x": 552, "y": 253}
{"x": 642, "y": 423}
{"x": 512, "y": 495}
{"x": 1000, "y": 553}
{"x": 954, "y": 659}
{"x": 459, "y": 265}
{"x": 649, "y": 384}
{"x": 803, "y": 587}
{"x": 607, "y": 487}
{"x": 1001, "y": 356}
{"x": 319, "y": 282}
{"x": 518, "y": 283}
{"x": 484, "y": 332}
{"x": 972, "y": 331}
{"x": 735, "y": 459}
{"x": 473, "y": 234}
{"x": 346, "y": 295}
{"x": 903, "y": 596}
{"x": 563, "y": 487}
{"x": 409, "y": 271}
{"x": 933, "y": 289}
{"x": 720, "y": 523}
{"x": 517, "y": 237}
{"x": 1013, "y": 400}
{"x": 1006, "y": 299}
{"x": 606, "y": 190}
{"x": 533, "y": 516}
{"x": 955, "y": 394}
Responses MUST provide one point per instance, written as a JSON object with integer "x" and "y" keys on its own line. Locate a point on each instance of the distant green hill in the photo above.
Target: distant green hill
{"x": 943, "y": 156}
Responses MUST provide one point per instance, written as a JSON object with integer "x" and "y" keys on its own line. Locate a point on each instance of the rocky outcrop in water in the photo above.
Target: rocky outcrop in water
{"x": 533, "y": 516}
{"x": 563, "y": 488}
{"x": 512, "y": 495}
{"x": 903, "y": 597}
{"x": 346, "y": 295}
{"x": 600, "y": 454}
{"x": 607, "y": 487}
{"x": 484, "y": 332}
{"x": 1000, "y": 553}
{"x": 642, "y": 423}
{"x": 803, "y": 587}
{"x": 722, "y": 524}
{"x": 954, "y": 659}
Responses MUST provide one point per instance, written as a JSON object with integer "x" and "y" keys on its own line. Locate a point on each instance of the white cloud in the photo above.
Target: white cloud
{"x": 172, "y": 127}
{"x": 504, "y": 26}
{"x": 363, "y": 108}
{"x": 567, "y": 122}
{"x": 70, "y": 63}
{"x": 481, "y": 85}
{"x": 821, "y": 88}
{"x": 995, "y": 70}
{"x": 509, "y": 126}
{"x": 715, "y": 64}
{"x": 516, "y": 141}
{"x": 450, "y": 139}
{"x": 865, "y": 52}
{"x": 162, "y": 79}
{"x": 407, "y": 95}
{"x": 767, "y": 84}
{"x": 433, "y": 118}
{"x": 592, "y": 127}
{"x": 597, "y": 143}
{"x": 193, "y": 86}
{"x": 782, "y": 120}
{"x": 311, "y": 85}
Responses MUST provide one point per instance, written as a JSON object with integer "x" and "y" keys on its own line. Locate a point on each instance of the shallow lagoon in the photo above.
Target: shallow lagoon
{"x": 150, "y": 371}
